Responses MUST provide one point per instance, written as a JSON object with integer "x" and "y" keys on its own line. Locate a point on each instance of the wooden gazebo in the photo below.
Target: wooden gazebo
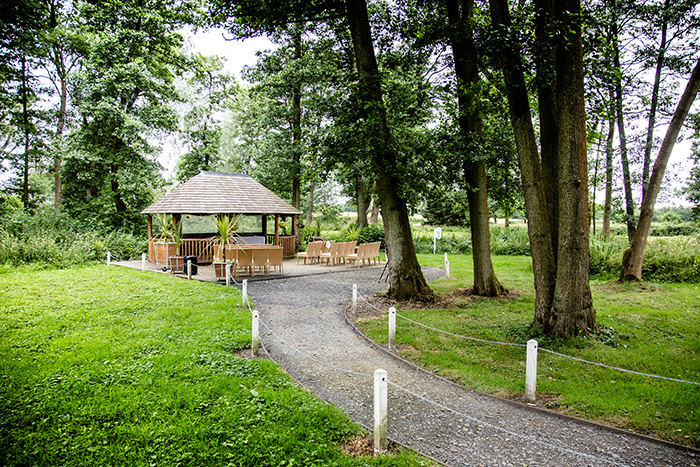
{"x": 214, "y": 193}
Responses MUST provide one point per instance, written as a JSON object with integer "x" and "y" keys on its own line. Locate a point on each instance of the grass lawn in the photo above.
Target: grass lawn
{"x": 111, "y": 366}
{"x": 652, "y": 329}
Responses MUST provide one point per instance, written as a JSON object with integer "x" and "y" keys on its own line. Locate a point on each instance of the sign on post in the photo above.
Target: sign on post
{"x": 437, "y": 234}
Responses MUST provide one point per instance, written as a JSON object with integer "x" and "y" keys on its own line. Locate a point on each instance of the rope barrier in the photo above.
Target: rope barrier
{"x": 541, "y": 349}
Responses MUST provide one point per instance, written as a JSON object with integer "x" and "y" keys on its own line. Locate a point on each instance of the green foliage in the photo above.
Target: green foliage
{"x": 126, "y": 368}
{"x": 52, "y": 239}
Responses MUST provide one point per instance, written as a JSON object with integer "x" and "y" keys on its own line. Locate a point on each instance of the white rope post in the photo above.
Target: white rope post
{"x": 189, "y": 269}
{"x": 256, "y": 333}
{"x": 109, "y": 258}
{"x": 244, "y": 295}
{"x": 228, "y": 274}
{"x": 392, "y": 327}
{"x": 447, "y": 269}
{"x": 531, "y": 371}
{"x": 143, "y": 262}
{"x": 381, "y": 415}
{"x": 354, "y": 298}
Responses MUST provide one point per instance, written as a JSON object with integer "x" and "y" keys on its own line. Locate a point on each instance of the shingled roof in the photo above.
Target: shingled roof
{"x": 221, "y": 193}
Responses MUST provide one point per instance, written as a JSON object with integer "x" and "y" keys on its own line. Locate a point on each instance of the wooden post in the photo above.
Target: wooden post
{"x": 143, "y": 262}
{"x": 531, "y": 371}
{"x": 189, "y": 269}
{"x": 447, "y": 269}
{"x": 392, "y": 327}
{"x": 277, "y": 229}
{"x": 264, "y": 226}
{"x": 109, "y": 258}
{"x": 381, "y": 415}
{"x": 228, "y": 274}
{"x": 354, "y": 298}
{"x": 256, "y": 333}
{"x": 244, "y": 295}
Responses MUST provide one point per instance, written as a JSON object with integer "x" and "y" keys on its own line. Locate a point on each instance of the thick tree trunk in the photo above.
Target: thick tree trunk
{"x": 563, "y": 305}
{"x": 543, "y": 264}
{"x": 460, "y": 16}
{"x": 25, "y": 124}
{"x": 406, "y": 281}
{"x": 634, "y": 256}
{"x": 654, "y": 100}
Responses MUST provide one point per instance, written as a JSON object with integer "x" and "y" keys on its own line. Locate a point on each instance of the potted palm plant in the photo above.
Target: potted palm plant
{"x": 164, "y": 242}
{"x": 225, "y": 229}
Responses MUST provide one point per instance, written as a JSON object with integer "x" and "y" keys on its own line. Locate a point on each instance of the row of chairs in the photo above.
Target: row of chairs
{"x": 255, "y": 258}
{"x": 340, "y": 252}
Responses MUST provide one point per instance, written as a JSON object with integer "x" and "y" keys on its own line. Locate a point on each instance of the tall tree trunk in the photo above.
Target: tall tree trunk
{"x": 363, "y": 201}
{"x": 619, "y": 110}
{"x": 607, "y": 207}
{"x": 406, "y": 280}
{"x": 633, "y": 257}
{"x": 374, "y": 217}
{"x": 460, "y": 15}
{"x": 310, "y": 208}
{"x": 25, "y": 124}
{"x": 655, "y": 99}
{"x": 563, "y": 304}
{"x": 296, "y": 135}
{"x": 543, "y": 264}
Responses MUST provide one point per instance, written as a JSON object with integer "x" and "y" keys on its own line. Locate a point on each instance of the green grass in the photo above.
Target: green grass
{"x": 110, "y": 366}
{"x": 651, "y": 329}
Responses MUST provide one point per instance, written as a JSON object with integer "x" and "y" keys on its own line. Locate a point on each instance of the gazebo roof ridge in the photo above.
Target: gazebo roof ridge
{"x": 221, "y": 193}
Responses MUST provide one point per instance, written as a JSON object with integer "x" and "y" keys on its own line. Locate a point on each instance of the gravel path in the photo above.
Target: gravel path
{"x": 304, "y": 330}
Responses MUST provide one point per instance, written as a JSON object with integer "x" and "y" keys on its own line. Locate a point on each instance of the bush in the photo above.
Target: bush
{"x": 52, "y": 239}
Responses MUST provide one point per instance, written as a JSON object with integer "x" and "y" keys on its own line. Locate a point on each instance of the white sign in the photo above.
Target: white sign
{"x": 437, "y": 233}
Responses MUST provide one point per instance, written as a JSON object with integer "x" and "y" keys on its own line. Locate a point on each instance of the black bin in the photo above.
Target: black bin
{"x": 193, "y": 261}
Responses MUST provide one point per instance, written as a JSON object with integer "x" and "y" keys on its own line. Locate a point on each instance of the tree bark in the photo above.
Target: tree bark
{"x": 563, "y": 304}
{"x": 310, "y": 208}
{"x": 655, "y": 99}
{"x": 296, "y": 135}
{"x": 406, "y": 280}
{"x": 363, "y": 202}
{"x": 460, "y": 17}
{"x": 633, "y": 257}
{"x": 619, "y": 110}
{"x": 607, "y": 207}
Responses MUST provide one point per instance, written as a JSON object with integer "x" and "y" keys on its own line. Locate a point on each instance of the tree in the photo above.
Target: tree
{"x": 201, "y": 131}
{"x": 633, "y": 257}
{"x": 554, "y": 182}
{"x": 124, "y": 94}
{"x": 406, "y": 280}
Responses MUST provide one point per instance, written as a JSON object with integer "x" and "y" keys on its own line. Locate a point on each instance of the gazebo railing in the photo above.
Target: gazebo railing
{"x": 199, "y": 247}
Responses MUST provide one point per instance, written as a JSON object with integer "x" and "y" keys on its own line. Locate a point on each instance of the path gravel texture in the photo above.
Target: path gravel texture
{"x": 304, "y": 329}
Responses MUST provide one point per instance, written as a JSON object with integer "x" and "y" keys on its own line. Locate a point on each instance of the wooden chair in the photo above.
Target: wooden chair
{"x": 332, "y": 255}
{"x": 347, "y": 248}
{"x": 244, "y": 259}
{"x": 374, "y": 253}
{"x": 275, "y": 259}
{"x": 361, "y": 255}
{"x": 260, "y": 258}
{"x": 313, "y": 250}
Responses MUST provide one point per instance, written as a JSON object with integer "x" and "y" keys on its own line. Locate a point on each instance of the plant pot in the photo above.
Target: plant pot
{"x": 163, "y": 252}
{"x": 177, "y": 264}
{"x": 220, "y": 270}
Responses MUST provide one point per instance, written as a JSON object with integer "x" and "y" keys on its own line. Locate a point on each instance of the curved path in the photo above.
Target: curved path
{"x": 304, "y": 329}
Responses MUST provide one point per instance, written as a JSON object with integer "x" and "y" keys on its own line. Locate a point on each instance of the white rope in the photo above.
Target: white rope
{"x": 508, "y": 432}
{"x": 541, "y": 349}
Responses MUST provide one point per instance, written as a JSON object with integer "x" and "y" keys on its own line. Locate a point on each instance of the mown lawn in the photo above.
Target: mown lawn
{"x": 648, "y": 328}
{"x": 110, "y": 366}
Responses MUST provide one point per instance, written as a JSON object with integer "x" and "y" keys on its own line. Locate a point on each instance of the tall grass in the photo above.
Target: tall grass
{"x": 52, "y": 239}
